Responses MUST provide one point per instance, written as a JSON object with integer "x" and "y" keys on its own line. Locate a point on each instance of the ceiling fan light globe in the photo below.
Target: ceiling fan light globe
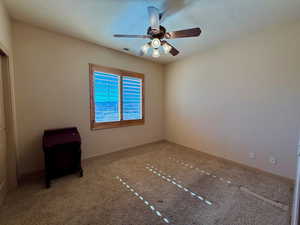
{"x": 155, "y": 53}
{"x": 155, "y": 43}
{"x": 145, "y": 48}
{"x": 167, "y": 48}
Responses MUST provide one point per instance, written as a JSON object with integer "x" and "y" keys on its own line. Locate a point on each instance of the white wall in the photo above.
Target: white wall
{"x": 52, "y": 91}
{"x": 5, "y": 29}
{"x": 238, "y": 98}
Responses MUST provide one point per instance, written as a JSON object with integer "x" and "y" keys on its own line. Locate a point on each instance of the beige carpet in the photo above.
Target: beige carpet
{"x": 154, "y": 184}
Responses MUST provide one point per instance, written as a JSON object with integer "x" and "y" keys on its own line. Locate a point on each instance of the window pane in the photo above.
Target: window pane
{"x": 132, "y": 98}
{"x": 106, "y": 97}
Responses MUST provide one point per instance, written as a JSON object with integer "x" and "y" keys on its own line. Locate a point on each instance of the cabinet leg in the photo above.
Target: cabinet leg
{"x": 80, "y": 173}
{"x": 48, "y": 184}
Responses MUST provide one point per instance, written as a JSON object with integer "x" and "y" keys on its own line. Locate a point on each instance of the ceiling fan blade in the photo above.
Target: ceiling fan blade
{"x": 171, "y": 7}
{"x": 194, "y": 32}
{"x": 153, "y": 18}
{"x": 173, "y": 50}
{"x": 130, "y": 36}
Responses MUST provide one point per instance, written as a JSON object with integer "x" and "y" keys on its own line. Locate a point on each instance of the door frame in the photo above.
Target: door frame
{"x": 296, "y": 200}
{"x": 10, "y": 117}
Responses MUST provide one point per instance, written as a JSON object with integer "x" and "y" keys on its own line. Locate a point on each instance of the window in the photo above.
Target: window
{"x": 116, "y": 97}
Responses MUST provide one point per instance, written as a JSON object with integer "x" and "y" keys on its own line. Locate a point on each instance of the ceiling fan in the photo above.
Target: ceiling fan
{"x": 157, "y": 33}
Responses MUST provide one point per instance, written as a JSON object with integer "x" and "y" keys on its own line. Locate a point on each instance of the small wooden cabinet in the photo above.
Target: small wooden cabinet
{"x": 62, "y": 149}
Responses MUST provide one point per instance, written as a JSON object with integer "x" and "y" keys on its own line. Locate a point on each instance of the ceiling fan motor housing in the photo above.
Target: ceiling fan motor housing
{"x": 157, "y": 34}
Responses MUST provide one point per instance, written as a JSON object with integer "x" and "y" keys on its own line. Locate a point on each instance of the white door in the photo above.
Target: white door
{"x": 2, "y": 132}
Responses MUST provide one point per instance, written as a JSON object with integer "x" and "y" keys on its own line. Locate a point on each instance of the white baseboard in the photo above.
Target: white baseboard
{"x": 2, "y": 192}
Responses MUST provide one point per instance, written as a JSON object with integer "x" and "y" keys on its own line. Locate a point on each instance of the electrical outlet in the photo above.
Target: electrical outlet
{"x": 252, "y": 155}
{"x": 273, "y": 160}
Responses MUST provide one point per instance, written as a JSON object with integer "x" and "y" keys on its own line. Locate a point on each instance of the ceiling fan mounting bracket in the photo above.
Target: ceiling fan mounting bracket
{"x": 157, "y": 34}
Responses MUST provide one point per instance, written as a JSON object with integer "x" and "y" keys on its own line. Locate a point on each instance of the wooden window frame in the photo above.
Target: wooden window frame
{"x": 121, "y": 73}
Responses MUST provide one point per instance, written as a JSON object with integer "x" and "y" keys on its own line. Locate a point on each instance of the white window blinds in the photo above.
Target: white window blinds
{"x": 132, "y": 98}
{"x": 106, "y": 97}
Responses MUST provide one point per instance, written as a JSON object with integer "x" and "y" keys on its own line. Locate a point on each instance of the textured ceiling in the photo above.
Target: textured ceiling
{"x": 97, "y": 20}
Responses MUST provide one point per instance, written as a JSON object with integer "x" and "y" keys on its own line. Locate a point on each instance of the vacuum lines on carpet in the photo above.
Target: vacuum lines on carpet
{"x": 185, "y": 164}
{"x": 241, "y": 188}
{"x": 164, "y": 176}
{"x": 147, "y": 203}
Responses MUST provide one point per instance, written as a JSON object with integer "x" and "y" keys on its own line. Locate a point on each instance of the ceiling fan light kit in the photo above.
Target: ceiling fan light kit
{"x": 145, "y": 48}
{"x": 156, "y": 33}
{"x": 167, "y": 48}
{"x": 155, "y": 43}
{"x": 155, "y": 53}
